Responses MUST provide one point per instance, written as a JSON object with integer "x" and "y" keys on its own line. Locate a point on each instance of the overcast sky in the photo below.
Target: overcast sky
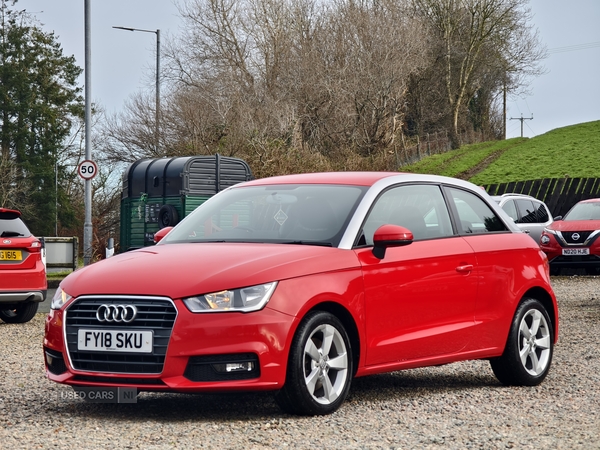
{"x": 123, "y": 62}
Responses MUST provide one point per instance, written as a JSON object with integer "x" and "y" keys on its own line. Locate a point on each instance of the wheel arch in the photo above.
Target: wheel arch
{"x": 349, "y": 323}
{"x": 545, "y": 299}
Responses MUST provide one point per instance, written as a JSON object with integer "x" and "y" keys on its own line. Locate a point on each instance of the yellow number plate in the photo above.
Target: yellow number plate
{"x": 10, "y": 255}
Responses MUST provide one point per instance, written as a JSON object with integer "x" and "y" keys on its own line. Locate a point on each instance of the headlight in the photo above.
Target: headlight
{"x": 545, "y": 239}
{"x": 549, "y": 231}
{"x": 59, "y": 299}
{"x": 245, "y": 299}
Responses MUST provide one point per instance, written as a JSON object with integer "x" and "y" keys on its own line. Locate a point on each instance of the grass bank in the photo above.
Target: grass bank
{"x": 571, "y": 151}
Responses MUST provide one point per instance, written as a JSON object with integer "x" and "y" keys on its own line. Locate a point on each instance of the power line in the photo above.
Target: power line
{"x": 572, "y": 48}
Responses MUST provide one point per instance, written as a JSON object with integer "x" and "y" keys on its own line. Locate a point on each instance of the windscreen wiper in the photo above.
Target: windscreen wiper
{"x": 319, "y": 243}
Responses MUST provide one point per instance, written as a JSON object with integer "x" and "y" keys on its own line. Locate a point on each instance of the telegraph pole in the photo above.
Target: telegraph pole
{"x": 522, "y": 119}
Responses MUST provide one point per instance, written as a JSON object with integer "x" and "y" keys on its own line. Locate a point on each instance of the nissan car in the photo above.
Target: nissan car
{"x": 297, "y": 284}
{"x": 572, "y": 241}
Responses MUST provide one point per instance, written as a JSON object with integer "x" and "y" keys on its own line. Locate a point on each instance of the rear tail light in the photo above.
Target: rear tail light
{"x": 35, "y": 247}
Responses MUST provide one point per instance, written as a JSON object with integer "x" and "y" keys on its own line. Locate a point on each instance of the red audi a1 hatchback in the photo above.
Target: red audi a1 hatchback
{"x": 297, "y": 284}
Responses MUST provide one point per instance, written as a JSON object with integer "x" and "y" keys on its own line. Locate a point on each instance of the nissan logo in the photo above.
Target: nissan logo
{"x": 116, "y": 313}
{"x": 575, "y": 236}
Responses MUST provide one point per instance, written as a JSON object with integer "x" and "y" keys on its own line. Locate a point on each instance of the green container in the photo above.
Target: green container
{"x": 160, "y": 192}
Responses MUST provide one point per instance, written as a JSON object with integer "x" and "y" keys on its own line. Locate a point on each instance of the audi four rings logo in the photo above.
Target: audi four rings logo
{"x": 116, "y": 313}
{"x": 575, "y": 236}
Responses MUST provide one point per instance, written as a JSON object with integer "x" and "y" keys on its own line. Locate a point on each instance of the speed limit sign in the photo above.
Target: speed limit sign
{"x": 87, "y": 169}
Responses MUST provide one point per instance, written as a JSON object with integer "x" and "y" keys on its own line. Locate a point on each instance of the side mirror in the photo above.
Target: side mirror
{"x": 390, "y": 236}
{"x": 161, "y": 234}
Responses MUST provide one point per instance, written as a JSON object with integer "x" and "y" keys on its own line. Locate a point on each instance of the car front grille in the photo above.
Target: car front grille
{"x": 582, "y": 237}
{"x": 154, "y": 382}
{"x": 156, "y": 314}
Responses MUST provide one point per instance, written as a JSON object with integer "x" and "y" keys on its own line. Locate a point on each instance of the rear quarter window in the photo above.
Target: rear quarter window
{"x": 510, "y": 209}
{"x": 474, "y": 214}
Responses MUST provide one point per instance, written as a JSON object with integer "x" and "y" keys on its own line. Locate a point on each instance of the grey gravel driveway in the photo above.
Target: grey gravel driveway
{"x": 457, "y": 406}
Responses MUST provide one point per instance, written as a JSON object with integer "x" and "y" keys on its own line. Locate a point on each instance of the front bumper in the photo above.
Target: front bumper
{"x": 187, "y": 357}
{"x": 574, "y": 262}
{"x": 558, "y": 260}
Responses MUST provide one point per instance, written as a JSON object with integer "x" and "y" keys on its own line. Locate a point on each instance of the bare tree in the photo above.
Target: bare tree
{"x": 468, "y": 30}
{"x": 257, "y": 78}
{"x": 13, "y": 188}
{"x": 382, "y": 47}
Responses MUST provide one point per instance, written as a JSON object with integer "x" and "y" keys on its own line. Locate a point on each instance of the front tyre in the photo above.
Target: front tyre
{"x": 319, "y": 369}
{"x": 529, "y": 348}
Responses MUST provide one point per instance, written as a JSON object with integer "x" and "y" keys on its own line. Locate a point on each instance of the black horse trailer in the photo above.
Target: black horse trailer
{"x": 160, "y": 192}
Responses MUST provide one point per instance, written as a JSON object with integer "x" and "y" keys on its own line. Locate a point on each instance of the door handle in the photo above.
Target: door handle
{"x": 465, "y": 269}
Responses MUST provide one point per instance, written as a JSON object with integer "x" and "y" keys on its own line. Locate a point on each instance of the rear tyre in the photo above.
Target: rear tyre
{"x": 529, "y": 348}
{"x": 20, "y": 314}
{"x": 319, "y": 369}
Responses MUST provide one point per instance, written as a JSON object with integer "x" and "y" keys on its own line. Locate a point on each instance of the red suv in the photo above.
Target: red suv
{"x": 23, "y": 282}
{"x": 572, "y": 241}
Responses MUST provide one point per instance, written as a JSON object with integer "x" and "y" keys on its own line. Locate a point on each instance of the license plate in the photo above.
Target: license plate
{"x": 11, "y": 255}
{"x": 575, "y": 251}
{"x": 115, "y": 341}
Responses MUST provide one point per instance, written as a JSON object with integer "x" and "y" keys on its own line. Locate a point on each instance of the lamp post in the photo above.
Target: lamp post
{"x": 157, "y": 32}
{"x": 88, "y": 227}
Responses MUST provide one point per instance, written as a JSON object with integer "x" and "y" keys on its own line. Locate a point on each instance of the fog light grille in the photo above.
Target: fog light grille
{"x": 55, "y": 362}
{"x": 239, "y": 366}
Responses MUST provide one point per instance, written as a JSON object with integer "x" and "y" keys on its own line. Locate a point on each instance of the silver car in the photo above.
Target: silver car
{"x": 530, "y": 214}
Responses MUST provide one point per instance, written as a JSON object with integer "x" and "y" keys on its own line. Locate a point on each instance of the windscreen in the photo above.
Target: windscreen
{"x": 304, "y": 214}
{"x": 584, "y": 211}
{"x": 13, "y": 227}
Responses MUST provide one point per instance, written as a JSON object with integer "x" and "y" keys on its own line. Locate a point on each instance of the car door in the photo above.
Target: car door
{"x": 496, "y": 250}
{"x": 420, "y": 298}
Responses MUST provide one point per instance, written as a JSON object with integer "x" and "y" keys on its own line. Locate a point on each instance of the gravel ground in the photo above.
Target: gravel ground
{"x": 457, "y": 406}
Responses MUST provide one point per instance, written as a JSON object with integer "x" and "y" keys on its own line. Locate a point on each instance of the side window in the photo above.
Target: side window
{"x": 527, "y": 211}
{"x": 510, "y": 209}
{"x": 420, "y": 208}
{"x": 541, "y": 212}
{"x": 474, "y": 215}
